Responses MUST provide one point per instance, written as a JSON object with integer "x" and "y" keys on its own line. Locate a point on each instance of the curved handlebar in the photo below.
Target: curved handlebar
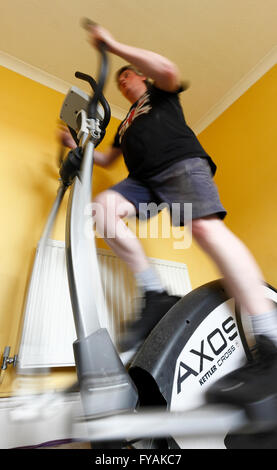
{"x": 98, "y": 88}
{"x": 101, "y": 99}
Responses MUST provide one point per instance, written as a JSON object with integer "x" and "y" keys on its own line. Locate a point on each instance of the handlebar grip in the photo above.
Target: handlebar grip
{"x": 86, "y": 23}
{"x": 102, "y": 75}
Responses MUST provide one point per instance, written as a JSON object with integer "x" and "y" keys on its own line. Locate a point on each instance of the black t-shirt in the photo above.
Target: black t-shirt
{"x": 154, "y": 134}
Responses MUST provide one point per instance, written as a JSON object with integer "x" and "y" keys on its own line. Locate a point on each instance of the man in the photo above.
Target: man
{"x": 166, "y": 163}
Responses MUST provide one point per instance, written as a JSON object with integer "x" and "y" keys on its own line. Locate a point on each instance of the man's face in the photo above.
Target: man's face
{"x": 131, "y": 85}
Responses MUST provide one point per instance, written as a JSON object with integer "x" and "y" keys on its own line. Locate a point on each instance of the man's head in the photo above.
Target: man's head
{"x": 131, "y": 82}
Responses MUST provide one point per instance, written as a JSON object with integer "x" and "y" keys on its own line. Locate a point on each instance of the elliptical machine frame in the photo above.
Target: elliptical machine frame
{"x": 159, "y": 374}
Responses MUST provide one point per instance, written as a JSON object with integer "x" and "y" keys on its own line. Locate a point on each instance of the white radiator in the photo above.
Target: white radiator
{"x": 49, "y": 330}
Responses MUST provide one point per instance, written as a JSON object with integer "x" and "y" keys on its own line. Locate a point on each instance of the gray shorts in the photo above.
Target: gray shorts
{"x": 187, "y": 189}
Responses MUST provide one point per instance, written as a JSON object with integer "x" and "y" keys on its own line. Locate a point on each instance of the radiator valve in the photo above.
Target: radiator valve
{"x": 7, "y": 359}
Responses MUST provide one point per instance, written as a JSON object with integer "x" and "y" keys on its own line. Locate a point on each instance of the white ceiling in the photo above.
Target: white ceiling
{"x": 217, "y": 44}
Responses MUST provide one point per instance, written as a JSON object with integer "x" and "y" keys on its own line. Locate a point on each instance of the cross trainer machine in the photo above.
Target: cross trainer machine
{"x": 198, "y": 341}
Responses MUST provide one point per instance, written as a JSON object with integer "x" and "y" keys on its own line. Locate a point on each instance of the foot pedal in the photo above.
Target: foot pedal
{"x": 245, "y": 439}
{"x": 261, "y": 433}
{"x": 263, "y": 411}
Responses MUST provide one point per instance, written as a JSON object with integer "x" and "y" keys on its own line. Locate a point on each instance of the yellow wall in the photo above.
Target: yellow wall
{"x": 242, "y": 142}
{"x": 244, "y": 145}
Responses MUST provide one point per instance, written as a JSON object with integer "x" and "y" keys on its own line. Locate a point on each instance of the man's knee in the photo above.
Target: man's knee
{"x": 203, "y": 228}
{"x": 101, "y": 199}
{"x": 108, "y": 208}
